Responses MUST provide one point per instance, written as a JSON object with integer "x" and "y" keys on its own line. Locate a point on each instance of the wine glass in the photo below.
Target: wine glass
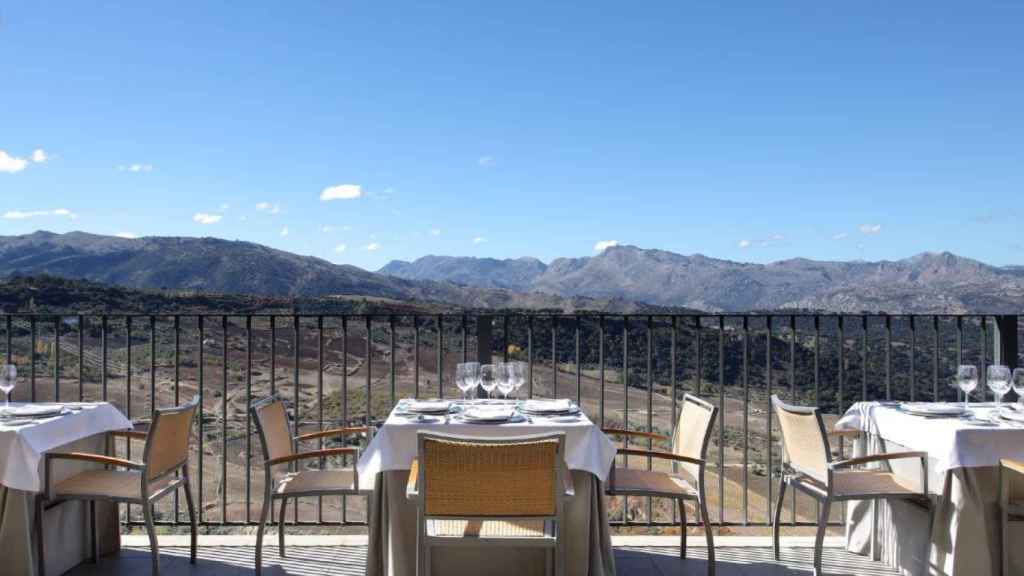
{"x": 505, "y": 384}
{"x": 517, "y": 374}
{"x": 488, "y": 378}
{"x": 966, "y": 380}
{"x": 8, "y": 377}
{"x": 1017, "y": 381}
{"x": 998, "y": 382}
{"x": 466, "y": 376}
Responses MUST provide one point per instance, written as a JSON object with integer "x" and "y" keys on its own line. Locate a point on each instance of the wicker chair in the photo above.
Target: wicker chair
{"x": 1011, "y": 503}
{"x": 280, "y": 449}
{"x": 689, "y": 450}
{"x": 142, "y": 483}
{"x": 490, "y": 492}
{"x": 808, "y": 466}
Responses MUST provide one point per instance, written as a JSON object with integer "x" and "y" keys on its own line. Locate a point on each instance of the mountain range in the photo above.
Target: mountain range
{"x": 619, "y": 279}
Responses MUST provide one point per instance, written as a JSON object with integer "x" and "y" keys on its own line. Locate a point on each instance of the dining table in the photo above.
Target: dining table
{"x": 386, "y": 461}
{"x": 27, "y": 432}
{"x": 957, "y": 531}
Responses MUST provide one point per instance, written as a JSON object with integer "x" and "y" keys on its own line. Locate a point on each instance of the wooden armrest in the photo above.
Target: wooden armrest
{"x": 876, "y": 458}
{"x": 332, "y": 432}
{"x": 1012, "y": 465}
{"x": 411, "y": 487}
{"x": 308, "y": 455}
{"x": 620, "y": 432}
{"x": 662, "y": 455}
{"x": 844, "y": 433}
{"x": 131, "y": 434}
{"x": 98, "y": 458}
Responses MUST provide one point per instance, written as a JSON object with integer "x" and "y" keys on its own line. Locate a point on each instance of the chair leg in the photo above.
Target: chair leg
{"x": 819, "y": 537}
{"x": 147, "y": 511}
{"x": 280, "y": 528}
{"x": 777, "y": 518}
{"x": 94, "y": 532}
{"x": 191, "y": 517}
{"x": 875, "y": 546}
{"x": 682, "y": 528}
{"x": 560, "y": 555}
{"x": 706, "y": 520}
{"x": 40, "y": 547}
{"x": 264, "y": 512}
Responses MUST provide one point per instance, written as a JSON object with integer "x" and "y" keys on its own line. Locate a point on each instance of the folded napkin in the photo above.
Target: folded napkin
{"x": 32, "y": 410}
{"x": 428, "y": 406}
{"x": 560, "y": 405}
{"x": 489, "y": 412}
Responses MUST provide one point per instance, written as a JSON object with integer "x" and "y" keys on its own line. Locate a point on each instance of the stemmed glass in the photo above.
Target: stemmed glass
{"x": 467, "y": 377}
{"x": 488, "y": 378}
{"x": 966, "y": 380}
{"x": 517, "y": 375}
{"x": 1018, "y": 385}
{"x": 8, "y": 377}
{"x": 998, "y": 382}
{"x": 505, "y": 384}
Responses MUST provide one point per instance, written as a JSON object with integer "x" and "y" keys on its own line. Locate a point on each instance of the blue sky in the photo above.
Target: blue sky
{"x": 742, "y": 130}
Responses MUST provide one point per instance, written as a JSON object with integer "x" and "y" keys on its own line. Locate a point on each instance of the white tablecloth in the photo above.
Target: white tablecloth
{"x": 394, "y": 445}
{"x": 950, "y": 442}
{"x": 22, "y": 447}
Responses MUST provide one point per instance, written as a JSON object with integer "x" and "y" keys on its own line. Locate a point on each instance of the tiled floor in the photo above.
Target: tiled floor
{"x": 349, "y": 560}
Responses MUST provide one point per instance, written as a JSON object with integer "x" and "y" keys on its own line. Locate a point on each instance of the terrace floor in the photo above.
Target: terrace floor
{"x": 635, "y": 556}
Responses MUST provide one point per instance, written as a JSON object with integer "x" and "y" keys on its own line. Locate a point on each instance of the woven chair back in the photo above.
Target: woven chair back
{"x": 803, "y": 439}
{"x": 693, "y": 430}
{"x": 275, "y": 432}
{"x": 463, "y": 478}
{"x": 167, "y": 444}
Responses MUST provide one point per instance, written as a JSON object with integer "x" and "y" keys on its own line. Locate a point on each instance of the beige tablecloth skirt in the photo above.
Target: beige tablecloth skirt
{"x": 392, "y": 544}
{"x": 65, "y": 526}
{"x": 963, "y": 538}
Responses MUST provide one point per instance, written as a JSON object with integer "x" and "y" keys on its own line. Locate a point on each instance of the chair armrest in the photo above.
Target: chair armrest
{"x": 840, "y": 464}
{"x": 332, "y": 432}
{"x": 98, "y": 458}
{"x": 662, "y": 455}
{"x": 308, "y": 455}
{"x": 1012, "y": 465}
{"x": 412, "y": 489}
{"x": 568, "y": 489}
{"x": 844, "y": 433}
{"x": 637, "y": 433}
{"x": 130, "y": 434}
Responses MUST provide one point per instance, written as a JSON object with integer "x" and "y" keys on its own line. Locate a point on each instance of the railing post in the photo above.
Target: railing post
{"x": 1004, "y": 341}
{"x": 483, "y": 344}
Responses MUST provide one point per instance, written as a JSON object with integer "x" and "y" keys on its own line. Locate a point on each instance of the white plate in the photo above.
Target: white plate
{"x": 33, "y": 410}
{"x": 488, "y": 413}
{"x": 564, "y": 406}
{"x": 1011, "y": 415}
{"x": 934, "y": 409}
{"x": 428, "y": 406}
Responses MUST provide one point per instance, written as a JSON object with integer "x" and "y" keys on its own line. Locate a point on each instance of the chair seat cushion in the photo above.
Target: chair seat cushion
{"x": 488, "y": 528}
{"x": 628, "y": 480}
{"x": 112, "y": 484}
{"x": 305, "y": 481}
{"x": 870, "y": 483}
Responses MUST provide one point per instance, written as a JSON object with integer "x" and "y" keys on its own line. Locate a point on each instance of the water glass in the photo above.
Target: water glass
{"x": 8, "y": 378}
{"x": 505, "y": 383}
{"x": 1017, "y": 381}
{"x": 467, "y": 376}
{"x": 517, "y": 375}
{"x": 966, "y": 380}
{"x": 998, "y": 382}
{"x": 488, "y": 378}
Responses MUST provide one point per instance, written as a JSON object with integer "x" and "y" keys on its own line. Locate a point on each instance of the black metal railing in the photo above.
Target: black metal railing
{"x": 625, "y": 370}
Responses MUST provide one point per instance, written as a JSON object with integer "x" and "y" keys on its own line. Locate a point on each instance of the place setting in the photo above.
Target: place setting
{"x": 24, "y": 413}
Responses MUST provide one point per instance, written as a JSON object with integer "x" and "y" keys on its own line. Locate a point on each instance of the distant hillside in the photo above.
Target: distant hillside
{"x": 927, "y": 282}
{"x": 513, "y": 274}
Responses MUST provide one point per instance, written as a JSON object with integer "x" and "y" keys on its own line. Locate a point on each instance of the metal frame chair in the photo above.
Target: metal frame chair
{"x": 808, "y": 465}
{"x": 1011, "y": 503}
{"x": 143, "y": 483}
{"x": 464, "y": 499}
{"x": 280, "y": 447}
{"x": 690, "y": 442}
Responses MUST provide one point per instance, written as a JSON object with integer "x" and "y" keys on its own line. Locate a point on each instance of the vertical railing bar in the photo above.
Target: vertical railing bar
{"x": 202, "y": 433}
{"x": 746, "y": 417}
{"x": 8, "y": 351}
{"x": 625, "y": 404}
{"x": 177, "y": 394}
{"x": 864, "y": 359}
{"x": 817, "y": 384}
{"x": 344, "y": 393}
{"x": 152, "y": 368}
{"x": 57, "y": 321}
{"x": 81, "y": 358}
{"x": 391, "y": 346}
{"x": 440, "y": 356}
{"x": 224, "y": 421}
{"x": 297, "y": 398}
{"x": 369, "y": 371}
{"x": 600, "y": 358}
{"x": 769, "y": 415}
{"x": 792, "y": 397}
{"x": 913, "y": 354}
{"x": 462, "y": 334}
{"x": 579, "y": 365}
{"x": 650, "y": 405}
{"x": 721, "y": 419}
{"x": 273, "y": 357}
{"x": 416, "y": 354}
{"x": 529, "y": 356}
{"x": 935, "y": 359}
{"x": 128, "y": 388}
{"x": 554, "y": 356}
{"x": 320, "y": 399}
{"x": 960, "y": 349}
{"x": 675, "y": 401}
{"x": 698, "y": 333}
{"x": 842, "y": 379}
{"x": 32, "y": 359}
{"x": 982, "y": 370}
{"x": 888, "y": 357}
{"x": 103, "y": 359}
{"x": 248, "y": 419}
{"x": 505, "y": 336}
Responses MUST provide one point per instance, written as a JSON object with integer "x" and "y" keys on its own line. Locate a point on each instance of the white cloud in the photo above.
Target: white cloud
{"x": 372, "y": 247}
{"x": 327, "y": 229}
{"x": 225, "y": 207}
{"x": 39, "y": 156}
{"x": 340, "y": 248}
{"x": 135, "y": 168}
{"x": 205, "y": 218}
{"x": 341, "y": 192}
{"x": 744, "y": 244}
{"x": 479, "y": 240}
{"x": 777, "y": 238}
{"x": 346, "y": 228}
{"x": 268, "y": 207}
{"x": 486, "y": 161}
{"x": 10, "y": 164}
{"x": 128, "y": 235}
{"x": 870, "y": 228}
{"x": 839, "y": 236}
{"x": 435, "y": 231}
{"x": 284, "y": 231}
{"x": 25, "y": 214}
{"x": 603, "y": 245}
